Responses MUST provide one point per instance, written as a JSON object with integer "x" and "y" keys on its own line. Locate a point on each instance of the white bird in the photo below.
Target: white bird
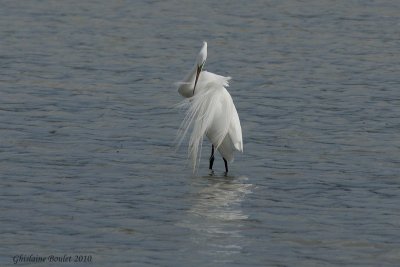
{"x": 210, "y": 112}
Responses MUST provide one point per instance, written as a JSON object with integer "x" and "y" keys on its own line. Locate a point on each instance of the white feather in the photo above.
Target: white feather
{"x": 211, "y": 112}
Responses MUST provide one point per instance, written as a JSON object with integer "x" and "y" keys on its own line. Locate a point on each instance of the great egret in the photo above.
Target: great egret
{"x": 210, "y": 112}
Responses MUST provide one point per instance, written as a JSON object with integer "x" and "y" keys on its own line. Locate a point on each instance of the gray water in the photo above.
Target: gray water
{"x": 87, "y": 156}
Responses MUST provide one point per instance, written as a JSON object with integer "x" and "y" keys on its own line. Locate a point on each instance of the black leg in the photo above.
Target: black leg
{"x": 212, "y": 157}
{"x": 226, "y": 165}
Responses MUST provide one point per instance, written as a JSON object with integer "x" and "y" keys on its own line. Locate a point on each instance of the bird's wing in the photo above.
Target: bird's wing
{"x": 210, "y": 111}
{"x": 202, "y": 109}
{"x": 235, "y": 130}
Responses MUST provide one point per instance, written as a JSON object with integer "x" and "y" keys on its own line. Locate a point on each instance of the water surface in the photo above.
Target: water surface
{"x": 87, "y": 159}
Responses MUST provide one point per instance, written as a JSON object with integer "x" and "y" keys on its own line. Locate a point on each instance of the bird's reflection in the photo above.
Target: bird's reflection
{"x": 216, "y": 217}
{"x": 221, "y": 199}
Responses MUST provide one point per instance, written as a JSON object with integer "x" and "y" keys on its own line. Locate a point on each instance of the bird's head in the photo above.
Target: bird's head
{"x": 201, "y": 60}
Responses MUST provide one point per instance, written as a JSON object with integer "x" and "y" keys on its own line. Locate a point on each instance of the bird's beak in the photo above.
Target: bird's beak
{"x": 197, "y": 76}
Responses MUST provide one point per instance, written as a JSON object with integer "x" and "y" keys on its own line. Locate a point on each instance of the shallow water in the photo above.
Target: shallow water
{"x": 87, "y": 158}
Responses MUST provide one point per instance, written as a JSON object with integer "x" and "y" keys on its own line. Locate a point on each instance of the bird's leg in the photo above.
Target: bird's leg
{"x": 226, "y": 165}
{"x": 212, "y": 157}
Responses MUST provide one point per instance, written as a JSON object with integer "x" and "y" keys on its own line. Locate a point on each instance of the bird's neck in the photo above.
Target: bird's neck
{"x": 191, "y": 76}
